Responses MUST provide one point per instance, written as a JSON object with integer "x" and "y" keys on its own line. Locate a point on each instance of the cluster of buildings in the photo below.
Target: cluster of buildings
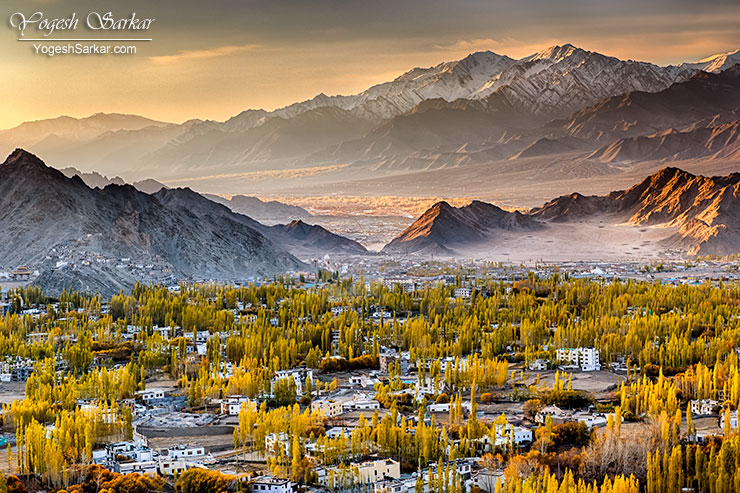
{"x": 136, "y": 457}
{"x": 15, "y": 369}
{"x": 385, "y": 476}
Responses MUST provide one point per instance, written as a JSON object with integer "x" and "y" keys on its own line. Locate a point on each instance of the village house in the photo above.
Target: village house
{"x": 507, "y": 435}
{"x": 444, "y": 407}
{"x": 703, "y": 407}
{"x": 360, "y": 402}
{"x": 368, "y": 473}
{"x": 372, "y": 471}
{"x": 557, "y": 415}
{"x": 428, "y": 385}
{"x": 270, "y": 484}
{"x": 388, "y": 358}
{"x": 232, "y": 405}
{"x": 733, "y": 420}
{"x": 186, "y": 452}
{"x": 328, "y": 407}
{"x": 299, "y": 375}
{"x": 169, "y": 467}
{"x": 337, "y": 432}
{"x": 363, "y": 381}
{"x": 587, "y": 358}
{"x": 149, "y": 395}
{"x": 275, "y": 441}
{"x": 463, "y": 293}
{"x": 146, "y": 467}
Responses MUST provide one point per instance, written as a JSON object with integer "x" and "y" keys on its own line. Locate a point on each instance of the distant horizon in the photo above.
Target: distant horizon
{"x": 85, "y": 114}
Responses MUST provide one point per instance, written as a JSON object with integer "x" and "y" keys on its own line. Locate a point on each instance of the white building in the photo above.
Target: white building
{"x": 147, "y": 467}
{"x": 164, "y": 332}
{"x": 337, "y": 432}
{"x": 370, "y": 472}
{"x": 170, "y": 467}
{"x": 463, "y": 293}
{"x": 186, "y": 452}
{"x": 703, "y": 407}
{"x": 200, "y": 336}
{"x": 363, "y": 381}
{"x": 510, "y": 434}
{"x": 275, "y": 441}
{"x": 408, "y": 285}
{"x": 107, "y": 416}
{"x": 360, "y": 402}
{"x": 506, "y": 435}
{"x": 427, "y": 385}
{"x": 557, "y": 415}
{"x": 299, "y": 375}
{"x": 150, "y": 394}
{"x": 487, "y": 480}
{"x": 587, "y": 358}
{"x": 233, "y": 404}
{"x": 444, "y": 407}
{"x": 733, "y": 420}
{"x": 270, "y": 484}
{"x": 407, "y": 485}
{"x": 328, "y": 407}
{"x": 381, "y": 314}
{"x": 373, "y": 471}
{"x": 99, "y": 456}
{"x": 132, "y": 450}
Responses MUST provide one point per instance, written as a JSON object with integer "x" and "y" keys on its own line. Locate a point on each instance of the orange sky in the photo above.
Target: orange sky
{"x": 215, "y": 59}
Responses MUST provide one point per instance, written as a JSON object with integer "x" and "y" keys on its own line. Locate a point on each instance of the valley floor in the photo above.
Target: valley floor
{"x": 593, "y": 241}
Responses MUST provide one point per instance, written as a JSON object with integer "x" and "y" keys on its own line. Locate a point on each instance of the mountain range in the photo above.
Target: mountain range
{"x": 105, "y": 239}
{"x": 271, "y": 211}
{"x": 297, "y": 237}
{"x": 519, "y": 131}
{"x": 484, "y": 108}
{"x": 94, "y": 179}
{"x": 698, "y": 215}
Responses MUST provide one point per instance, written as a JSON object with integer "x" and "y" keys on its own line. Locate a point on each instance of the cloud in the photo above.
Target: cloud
{"x": 476, "y": 44}
{"x": 193, "y": 55}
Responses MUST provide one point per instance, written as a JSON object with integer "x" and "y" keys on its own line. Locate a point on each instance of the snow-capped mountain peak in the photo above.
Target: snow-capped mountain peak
{"x": 563, "y": 78}
{"x": 716, "y": 63}
{"x": 448, "y": 80}
{"x": 555, "y": 53}
{"x": 553, "y": 82}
